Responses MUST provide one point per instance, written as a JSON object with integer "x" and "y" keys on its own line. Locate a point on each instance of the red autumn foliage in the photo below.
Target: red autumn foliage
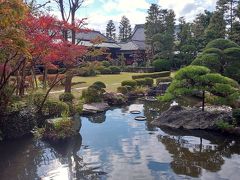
{"x": 47, "y": 41}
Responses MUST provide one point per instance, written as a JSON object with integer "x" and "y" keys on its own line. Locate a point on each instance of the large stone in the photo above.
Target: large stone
{"x": 95, "y": 108}
{"x": 192, "y": 118}
{"x": 114, "y": 98}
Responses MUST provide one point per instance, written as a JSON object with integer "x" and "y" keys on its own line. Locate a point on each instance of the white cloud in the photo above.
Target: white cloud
{"x": 188, "y": 8}
{"x": 99, "y": 12}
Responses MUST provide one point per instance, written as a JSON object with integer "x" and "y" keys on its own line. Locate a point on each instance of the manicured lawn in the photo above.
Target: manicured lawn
{"x": 112, "y": 82}
{"x": 79, "y": 83}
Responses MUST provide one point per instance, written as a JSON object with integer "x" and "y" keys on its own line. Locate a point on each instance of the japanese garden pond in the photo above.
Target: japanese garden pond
{"x": 113, "y": 145}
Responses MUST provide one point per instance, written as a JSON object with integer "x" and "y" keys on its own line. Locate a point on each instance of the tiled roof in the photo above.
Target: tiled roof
{"x": 85, "y": 38}
{"x": 88, "y": 36}
{"x": 128, "y": 46}
{"x": 136, "y": 41}
{"x": 104, "y": 44}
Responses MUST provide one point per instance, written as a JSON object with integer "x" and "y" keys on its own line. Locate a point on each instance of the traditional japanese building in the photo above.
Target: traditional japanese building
{"x": 87, "y": 39}
{"x": 134, "y": 49}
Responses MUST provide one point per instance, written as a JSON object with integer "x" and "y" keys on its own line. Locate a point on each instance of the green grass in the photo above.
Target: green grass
{"x": 112, "y": 81}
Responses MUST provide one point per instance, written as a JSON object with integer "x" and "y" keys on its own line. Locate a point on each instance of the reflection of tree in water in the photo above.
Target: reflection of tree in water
{"x": 77, "y": 168}
{"x": 28, "y": 159}
{"x": 97, "y": 118}
{"x": 189, "y": 159}
{"x": 151, "y": 111}
{"x": 19, "y": 159}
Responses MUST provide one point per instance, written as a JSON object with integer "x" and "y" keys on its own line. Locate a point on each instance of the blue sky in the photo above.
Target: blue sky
{"x": 99, "y": 12}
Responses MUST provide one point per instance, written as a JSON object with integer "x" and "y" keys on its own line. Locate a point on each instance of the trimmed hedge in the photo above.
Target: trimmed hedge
{"x": 141, "y": 82}
{"x": 115, "y": 69}
{"x": 131, "y": 83}
{"x": 105, "y": 71}
{"x": 163, "y": 79}
{"x": 145, "y": 82}
{"x": 152, "y": 75}
{"x": 149, "y": 82}
{"x": 66, "y": 97}
{"x": 99, "y": 85}
{"x": 122, "y": 89}
{"x": 162, "y": 65}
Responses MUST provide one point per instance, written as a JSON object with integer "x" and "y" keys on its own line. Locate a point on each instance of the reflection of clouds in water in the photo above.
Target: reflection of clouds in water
{"x": 53, "y": 169}
{"x": 138, "y": 107}
{"x": 229, "y": 170}
{"x": 133, "y": 162}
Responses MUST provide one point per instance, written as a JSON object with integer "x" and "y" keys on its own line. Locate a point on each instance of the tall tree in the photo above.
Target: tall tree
{"x": 124, "y": 29}
{"x": 68, "y": 11}
{"x": 217, "y": 27}
{"x": 14, "y": 52}
{"x": 228, "y": 8}
{"x": 111, "y": 30}
{"x": 185, "y": 46}
{"x": 160, "y": 31}
{"x": 198, "y": 28}
{"x": 152, "y": 24}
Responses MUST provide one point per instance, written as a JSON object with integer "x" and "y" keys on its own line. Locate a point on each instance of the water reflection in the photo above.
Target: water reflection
{"x": 113, "y": 145}
{"x": 193, "y": 151}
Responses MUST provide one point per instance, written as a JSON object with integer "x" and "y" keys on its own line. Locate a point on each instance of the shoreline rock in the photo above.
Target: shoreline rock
{"x": 179, "y": 117}
{"x": 94, "y": 108}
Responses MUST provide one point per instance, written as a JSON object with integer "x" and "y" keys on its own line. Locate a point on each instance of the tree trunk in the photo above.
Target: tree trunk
{"x": 22, "y": 81}
{"x": 45, "y": 78}
{"x": 68, "y": 83}
{"x": 203, "y": 100}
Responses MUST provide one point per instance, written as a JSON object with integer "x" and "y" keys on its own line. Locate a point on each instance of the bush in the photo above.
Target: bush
{"x": 139, "y": 91}
{"x": 162, "y": 65}
{"x": 105, "y": 71}
{"x": 79, "y": 107}
{"x": 221, "y": 44}
{"x": 131, "y": 83}
{"x": 236, "y": 115}
{"x": 55, "y": 108}
{"x": 115, "y": 69}
{"x": 224, "y": 125}
{"x": 149, "y": 82}
{"x": 106, "y": 63}
{"x": 163, "y": 79}
{"x": 91, "y": 95}
{"x": 60, "y": 130}
{"x": 66, "y": 97}
{"x": 141, "y": 82}
{"x": 122, "y": 89}
{"x": 99, "y": 85}
{"x": 36, "y": 99}
{"x": 210, "y": 61}
{"x": 86, "y": 72}
{"x": 152, "y": 75}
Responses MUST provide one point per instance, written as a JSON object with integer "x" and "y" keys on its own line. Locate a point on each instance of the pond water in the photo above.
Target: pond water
{"x": 113, "y": 145}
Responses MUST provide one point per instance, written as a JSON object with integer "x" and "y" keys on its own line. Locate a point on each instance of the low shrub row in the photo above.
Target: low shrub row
{"x": 145, "y": 82}
{"x": 163, "y": 79}
{"x": 138, "y": 82}
{"x": 152, "y": 75}
{"x": 109, "y": 70}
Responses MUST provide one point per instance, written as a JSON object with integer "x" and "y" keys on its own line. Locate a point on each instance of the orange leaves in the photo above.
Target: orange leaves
{"x": 48, "y": 43}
